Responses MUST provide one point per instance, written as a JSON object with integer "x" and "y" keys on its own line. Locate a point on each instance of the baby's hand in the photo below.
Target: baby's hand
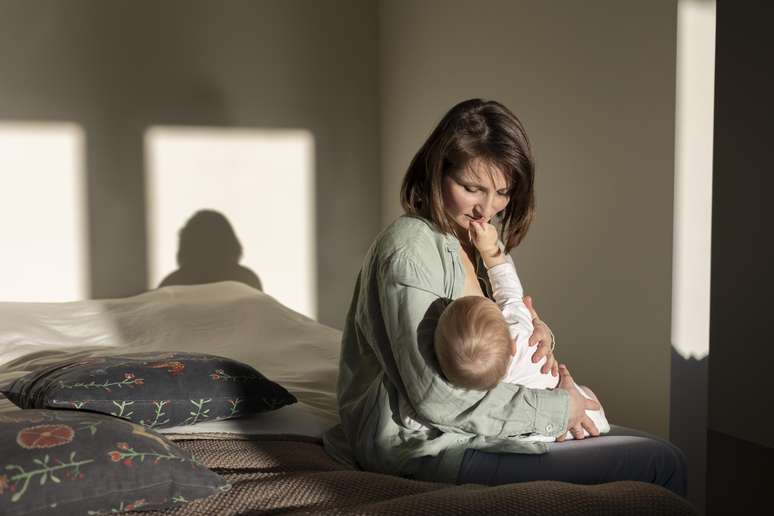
{"x": 483, "y": 235}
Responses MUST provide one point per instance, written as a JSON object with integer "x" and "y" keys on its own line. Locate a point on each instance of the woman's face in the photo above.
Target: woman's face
{"x": 476, "y": 192}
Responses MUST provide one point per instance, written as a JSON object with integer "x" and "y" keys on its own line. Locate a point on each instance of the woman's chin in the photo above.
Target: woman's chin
{"x": 463, "y": 224}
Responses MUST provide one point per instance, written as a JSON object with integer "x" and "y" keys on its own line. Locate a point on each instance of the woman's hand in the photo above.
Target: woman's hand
{"x": 579, "y": 404}
{"x": 541, "y": 337}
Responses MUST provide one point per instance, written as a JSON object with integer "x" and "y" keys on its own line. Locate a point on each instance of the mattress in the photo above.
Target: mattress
{"x": 227, "y": 319}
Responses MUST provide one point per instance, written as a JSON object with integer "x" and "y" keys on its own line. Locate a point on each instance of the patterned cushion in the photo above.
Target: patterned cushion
{"x": 75, "y": 462}
{"x": 157, "y": 389}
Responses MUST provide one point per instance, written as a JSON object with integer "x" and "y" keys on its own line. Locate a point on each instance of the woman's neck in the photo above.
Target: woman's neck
{"x": 467, "y": 245}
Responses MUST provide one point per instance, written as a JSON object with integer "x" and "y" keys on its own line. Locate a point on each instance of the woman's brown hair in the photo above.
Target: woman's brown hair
{"x": 474, "y": 130}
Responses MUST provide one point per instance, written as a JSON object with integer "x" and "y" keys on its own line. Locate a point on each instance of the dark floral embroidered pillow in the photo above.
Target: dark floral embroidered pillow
{"x": 74, "y": 462}
{"x": 158, "y": 390}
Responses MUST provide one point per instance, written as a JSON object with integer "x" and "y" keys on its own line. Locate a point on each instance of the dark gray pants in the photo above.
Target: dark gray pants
{"x": 623, "y": 454}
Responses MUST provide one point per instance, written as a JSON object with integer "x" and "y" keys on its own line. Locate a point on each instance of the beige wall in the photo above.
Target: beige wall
{"x": 594, "y": 83}
{"x": 119, "y": 67}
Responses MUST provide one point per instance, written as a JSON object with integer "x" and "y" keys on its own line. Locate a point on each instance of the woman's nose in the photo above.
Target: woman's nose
{"x": 484, "y": 209}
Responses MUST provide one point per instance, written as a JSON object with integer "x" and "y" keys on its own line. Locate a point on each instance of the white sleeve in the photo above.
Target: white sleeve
{"x": 508, "y": 294}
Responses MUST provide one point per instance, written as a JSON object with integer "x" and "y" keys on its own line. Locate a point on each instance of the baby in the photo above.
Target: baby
{"x": 479, "y": 343}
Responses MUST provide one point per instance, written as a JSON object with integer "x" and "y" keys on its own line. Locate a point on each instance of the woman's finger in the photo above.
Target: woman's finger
{"x": 587, "y": 424}
{"x": 555, "y": 369}
{"x": 530, "y": 307}
{"x": 538, "y": 333}
{"x": 538, "y": 354}
{"x": 549, "y": 365}
{"x": 565, "y": 380}
{"x": 541, "y": 351}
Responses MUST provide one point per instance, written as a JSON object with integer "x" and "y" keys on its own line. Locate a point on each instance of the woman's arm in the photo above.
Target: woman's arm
{"x": 409, "y": 300}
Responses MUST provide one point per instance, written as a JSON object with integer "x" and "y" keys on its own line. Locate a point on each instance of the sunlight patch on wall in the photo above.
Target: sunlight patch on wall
{"x": 260, "y": 182}
{"x": 43, "y": 212}
{"x": 693, "y": 177}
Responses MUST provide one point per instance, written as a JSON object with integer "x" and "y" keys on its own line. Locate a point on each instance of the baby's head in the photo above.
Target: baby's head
{"x": 473, "y": 344}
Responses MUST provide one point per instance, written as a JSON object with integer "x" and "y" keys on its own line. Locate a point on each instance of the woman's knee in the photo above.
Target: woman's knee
{"x": 672, "y": 468}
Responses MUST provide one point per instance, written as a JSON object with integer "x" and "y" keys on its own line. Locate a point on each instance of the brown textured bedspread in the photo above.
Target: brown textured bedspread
{"x": 293, "y": 475}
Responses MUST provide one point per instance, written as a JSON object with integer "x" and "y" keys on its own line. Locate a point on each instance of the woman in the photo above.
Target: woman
{"x": 476, "y": 165}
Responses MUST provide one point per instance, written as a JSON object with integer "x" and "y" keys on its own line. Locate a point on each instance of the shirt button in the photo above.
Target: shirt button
{"x": 549, "y": 427}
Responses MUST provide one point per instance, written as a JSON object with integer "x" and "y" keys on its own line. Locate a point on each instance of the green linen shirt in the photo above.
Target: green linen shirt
{"x": 409, "y": 274}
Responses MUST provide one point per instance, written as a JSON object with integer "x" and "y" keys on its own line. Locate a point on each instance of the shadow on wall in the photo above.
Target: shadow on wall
{"x": 688, "y": 421}
{"x": 209, "y": 251}
{"x": 118, "y": 69}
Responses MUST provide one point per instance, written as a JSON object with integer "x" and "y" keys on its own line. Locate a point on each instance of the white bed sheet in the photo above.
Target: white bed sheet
{"x": 227, "y": 319}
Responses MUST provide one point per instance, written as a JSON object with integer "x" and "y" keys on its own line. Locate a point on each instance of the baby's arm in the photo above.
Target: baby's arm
{"x": 507, "y": 290}
{"x": 509, "y": 296}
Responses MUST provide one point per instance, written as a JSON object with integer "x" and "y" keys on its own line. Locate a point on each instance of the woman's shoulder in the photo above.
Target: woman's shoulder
{"x": 411, "y": 251}
{"x": 411, "y": 224}
{"x": 413, "y": 235}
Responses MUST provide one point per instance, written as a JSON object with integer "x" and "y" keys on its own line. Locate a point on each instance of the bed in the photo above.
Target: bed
{"x": 274, "y": 461}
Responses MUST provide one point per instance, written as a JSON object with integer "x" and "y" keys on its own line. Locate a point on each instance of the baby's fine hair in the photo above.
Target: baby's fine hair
{"x": 472, "y": 343}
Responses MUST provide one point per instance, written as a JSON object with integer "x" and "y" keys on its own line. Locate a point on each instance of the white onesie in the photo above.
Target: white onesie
{"x": 508, "y": 294}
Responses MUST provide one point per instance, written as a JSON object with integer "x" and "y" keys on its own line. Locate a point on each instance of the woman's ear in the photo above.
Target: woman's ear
{"x": 513, "y": 347}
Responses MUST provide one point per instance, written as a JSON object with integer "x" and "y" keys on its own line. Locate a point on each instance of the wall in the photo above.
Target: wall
{"x": 594, "y": 83}
{"x": 117, "y": 68}
{"x": 740, "y": 440}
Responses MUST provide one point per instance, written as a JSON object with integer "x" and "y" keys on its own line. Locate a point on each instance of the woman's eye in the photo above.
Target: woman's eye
{"x": 470, "y": 189}
{"x": 504, "y": 194}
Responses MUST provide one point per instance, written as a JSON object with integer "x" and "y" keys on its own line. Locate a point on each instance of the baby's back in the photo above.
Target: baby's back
{"x": 522, "y": 370}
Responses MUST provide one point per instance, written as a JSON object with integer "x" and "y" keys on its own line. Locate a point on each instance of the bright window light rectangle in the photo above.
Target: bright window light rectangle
{"x": 692, "y": 238}
{"x": 43, "y": 212}
{"x": 260, "y": 182}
